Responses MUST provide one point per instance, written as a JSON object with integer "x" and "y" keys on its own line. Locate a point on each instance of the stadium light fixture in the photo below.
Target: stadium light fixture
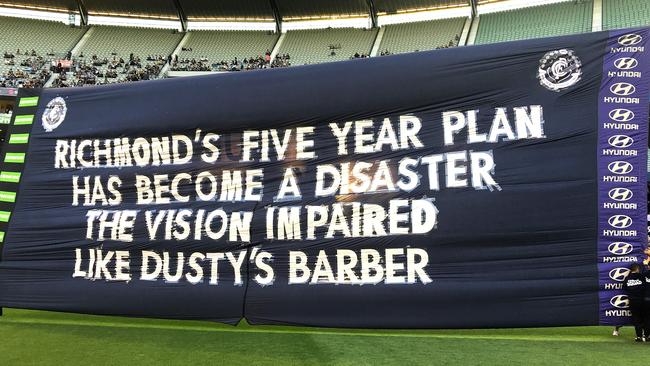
{"x": 36, "y": 14}
{"x": 356, "y": 22}
{"x": 134, "y": 22}
{"x": 410, "y": 17}
{"x": 229, "y": 25}
{"x": 492, "y": 6}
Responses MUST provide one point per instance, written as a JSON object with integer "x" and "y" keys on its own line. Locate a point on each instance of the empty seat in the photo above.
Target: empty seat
{"x": 216, "y": 46}
{"x": 326, "y": 45}
{"x": 535, "y": 22}
{"x": 421, "y": 36}
{"x": 625, "y": 13}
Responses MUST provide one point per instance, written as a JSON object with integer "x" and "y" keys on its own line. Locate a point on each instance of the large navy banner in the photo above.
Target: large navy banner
{"x": 484, "y": 186}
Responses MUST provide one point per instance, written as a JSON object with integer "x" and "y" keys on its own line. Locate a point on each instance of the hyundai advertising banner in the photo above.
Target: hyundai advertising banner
{"x": 485, "y": 186}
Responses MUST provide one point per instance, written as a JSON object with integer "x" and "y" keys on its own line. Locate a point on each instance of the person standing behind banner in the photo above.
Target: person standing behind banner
{"x": 635, "y": 290}
{"x": 646, "y": 297}
{"x": 646, "y": 301}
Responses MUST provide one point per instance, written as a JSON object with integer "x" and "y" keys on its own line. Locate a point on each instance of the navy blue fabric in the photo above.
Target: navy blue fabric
{"x": 521, "y": 256}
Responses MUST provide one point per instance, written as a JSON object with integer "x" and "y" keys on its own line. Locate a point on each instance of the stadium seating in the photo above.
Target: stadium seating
{"x": 104, "y": 41}
{"x": 326, "y": 45}
{"x": 421, "y": 36}
{"x": 114, "y": 43}
{"x": 625, "y": 13}
{"x": 218, "y": 46}
{"x": 4, "y": 119}
{"x": 535, "y": 22}
{"x": 217, "y": 50}
{"x": 49, "y": 41}
{"x": 39, "y": 35}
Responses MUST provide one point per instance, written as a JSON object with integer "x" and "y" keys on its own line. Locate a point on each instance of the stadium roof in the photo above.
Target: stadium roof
{"x": 233, "y": 9}
{"x": 394, "y": 6}
{"x": 157, "y": 8}
{"x": 306, "y": 9}
{"x": 51, "y": 5}
{"x": 242, "y": 9}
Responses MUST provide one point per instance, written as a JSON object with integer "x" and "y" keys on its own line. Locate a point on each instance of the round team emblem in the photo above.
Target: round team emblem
{"x": 54, "y": 114}
{"x": 559, "y": 70}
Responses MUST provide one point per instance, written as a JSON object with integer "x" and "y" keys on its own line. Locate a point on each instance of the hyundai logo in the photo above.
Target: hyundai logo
{"x": 620, "y": 301}
{"x": 629, "y": 39}
{"x": 626, "y": 63}
{"x": 619, "y": 274}
{"x": 620, "y": 167}
{"x": 620, "y": 141}
{"x": 620, "y": 221}
{"x": 620, "y": 194}
{"x": 620, "y": 248}
{"x": 621, "y": 115}
{"x": 622, "y": 89}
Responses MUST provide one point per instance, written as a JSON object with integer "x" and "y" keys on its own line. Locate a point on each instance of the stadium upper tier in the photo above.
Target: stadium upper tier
{"x": 325, "y": 45}
{"x": 535, "y": 22}
{"x": 421, "y": 36}
{"x": 625, "y": 13}
{"x": 31, "y": 46}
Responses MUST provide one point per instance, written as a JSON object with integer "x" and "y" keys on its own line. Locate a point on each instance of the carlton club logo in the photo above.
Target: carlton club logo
{"x": 621, "y": 115}
{"x": 54, "y": 114}
{"x": 559, "y": 70}
{"x": 620, "y": 248}
{"x": 620, "y": 194}
{"x": 622, "y": 89}
{"x": 629, "y": 39}
{"x": 620, "y": 221}
{"x": 620, "y": 167}
{"x": 620, "y": 141}
{"x": 620, "y": 301}
{"x": 626, "y": 63}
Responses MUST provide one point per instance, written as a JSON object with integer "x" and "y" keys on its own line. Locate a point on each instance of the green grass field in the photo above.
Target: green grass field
{"x": 38, "y": 337}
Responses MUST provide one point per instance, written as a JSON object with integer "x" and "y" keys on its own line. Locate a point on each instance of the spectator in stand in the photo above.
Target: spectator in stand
{"x": 281, "y": 61}
{"x": 248, "y": 63}
{"x": 32, "y": 70}
{"x": 35, "y": 70}
{"x": 102, "y": 70}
